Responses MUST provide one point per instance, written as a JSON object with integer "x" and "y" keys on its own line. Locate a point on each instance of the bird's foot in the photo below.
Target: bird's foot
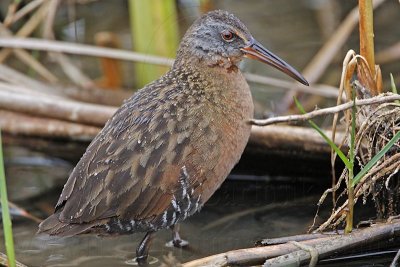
{"x": 142, "y": 261}
{"x": 178, "y": 243}
{"x": 142, "y": 251}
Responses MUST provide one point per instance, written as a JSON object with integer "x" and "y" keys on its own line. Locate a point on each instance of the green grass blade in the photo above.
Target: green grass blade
{"x": 5, "y": 212}
{"x": 394, "y": 88}
{"x": 393, "y": 84}
{"x": 326, "y": 138}
{"x": 376, "y": 158}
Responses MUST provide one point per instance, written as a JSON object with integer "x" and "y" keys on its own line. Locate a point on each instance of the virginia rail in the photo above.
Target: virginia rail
{"x": 169, "y": 147}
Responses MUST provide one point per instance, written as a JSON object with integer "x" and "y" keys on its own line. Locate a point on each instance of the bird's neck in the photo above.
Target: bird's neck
{"x": 206, "y": 60}
{"x": 214, "y": 83}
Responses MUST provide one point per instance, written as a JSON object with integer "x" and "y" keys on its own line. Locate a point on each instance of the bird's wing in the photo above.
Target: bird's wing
{"x": 133, "y": 168}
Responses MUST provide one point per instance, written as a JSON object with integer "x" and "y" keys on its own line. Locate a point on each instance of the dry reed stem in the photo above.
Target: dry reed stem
{"x": 27, "y": 28}
{"x": 366, "y": 28}
{"x": 88, "y": 50}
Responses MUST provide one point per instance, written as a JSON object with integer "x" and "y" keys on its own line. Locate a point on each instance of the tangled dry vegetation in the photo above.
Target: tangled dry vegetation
{"x": 375, "y": 126}
{"x": 382, "y": 182}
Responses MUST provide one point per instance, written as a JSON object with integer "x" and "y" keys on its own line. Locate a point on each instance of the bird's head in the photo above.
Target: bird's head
{"x": 220, "y": 39}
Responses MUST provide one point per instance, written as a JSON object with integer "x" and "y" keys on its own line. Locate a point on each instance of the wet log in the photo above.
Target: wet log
{"x": 26, "y": 125}
{"x": 291, "y": 138}
{"x": 84, "y": 113}
{"x": 289, "y": 254}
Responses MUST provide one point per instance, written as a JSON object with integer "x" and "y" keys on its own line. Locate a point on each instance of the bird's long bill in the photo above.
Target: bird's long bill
{"x": 256, "y": 51}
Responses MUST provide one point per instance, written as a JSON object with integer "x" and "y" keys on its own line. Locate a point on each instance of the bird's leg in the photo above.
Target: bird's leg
{"x": 176, "y": 238}
{"x": 142, "y": 251}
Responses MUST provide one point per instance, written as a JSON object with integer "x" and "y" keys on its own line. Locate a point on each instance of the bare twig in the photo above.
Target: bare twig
{"x": 49, "y": 21}
{"x": 12, "y": 8}
{"x": 82, "y": 49}
{"x": 29, "y": 59}
{"x": 28, "y": 28}
{"x": 25, "y": 10}
{"x": 387, "y": 97}
{"x": 73, "y": 73}
{"x": 22, "y": 212}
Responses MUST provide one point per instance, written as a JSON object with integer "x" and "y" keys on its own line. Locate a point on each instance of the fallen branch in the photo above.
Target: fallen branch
{"x": 73, "y": 111}
{"x": 17, "y": 123}
{"x": 290, "y": 138}
{"x": 339, "y": 244}
{"x": 288, "y": 253}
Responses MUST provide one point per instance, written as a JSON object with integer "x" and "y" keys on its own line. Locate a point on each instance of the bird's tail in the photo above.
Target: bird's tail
{"x": 53, "y": 226}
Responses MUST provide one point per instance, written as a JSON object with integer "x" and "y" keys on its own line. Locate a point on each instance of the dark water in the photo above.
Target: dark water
{"x": 283, "y": 208}
{"x": 245, "y": 209}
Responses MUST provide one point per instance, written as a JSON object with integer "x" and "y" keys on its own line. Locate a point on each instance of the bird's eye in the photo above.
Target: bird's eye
{"x": 227, "y": 36}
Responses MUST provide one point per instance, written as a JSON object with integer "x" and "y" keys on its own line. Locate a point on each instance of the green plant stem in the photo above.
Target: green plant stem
{"x": 326, "y": 138}
{"x": 7, "y": 226}
{"x": 394, "y": 88}
{"x": 350, "y": 205}
{"x": 154, "y": 31}
{"x": 350, "y": 186}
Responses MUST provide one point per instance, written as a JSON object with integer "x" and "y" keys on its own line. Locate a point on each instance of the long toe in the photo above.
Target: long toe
{"x": 178, "y": 243}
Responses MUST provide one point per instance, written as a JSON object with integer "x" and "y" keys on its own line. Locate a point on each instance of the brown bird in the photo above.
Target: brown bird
{"x": 170, "y": 146}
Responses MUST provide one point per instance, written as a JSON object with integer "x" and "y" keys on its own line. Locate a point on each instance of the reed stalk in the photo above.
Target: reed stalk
{"x": 5, "y": 213}
{"x": 154, "y": 31}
